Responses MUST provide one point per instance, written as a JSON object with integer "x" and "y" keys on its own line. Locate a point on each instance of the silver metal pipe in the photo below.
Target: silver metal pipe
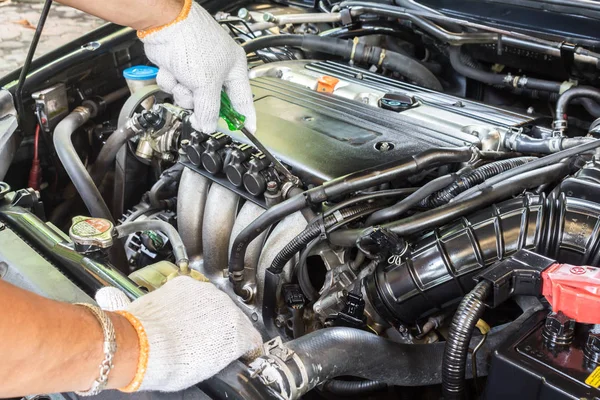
{"x": 308, "y": 18}
{"x": 54, "y": 245}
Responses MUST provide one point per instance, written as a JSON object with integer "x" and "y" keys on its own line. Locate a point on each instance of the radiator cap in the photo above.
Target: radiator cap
{"x": 88, "y": 231}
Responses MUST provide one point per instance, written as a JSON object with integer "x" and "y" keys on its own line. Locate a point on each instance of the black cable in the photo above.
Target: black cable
{"x": 449, "y": 212}
{"x": 468, "y": 313}
{"x": 530, "y": 166}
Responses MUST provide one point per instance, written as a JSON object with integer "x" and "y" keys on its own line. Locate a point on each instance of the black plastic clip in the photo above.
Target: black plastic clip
{"x": 520, "y": 274}
{"x": 567, "y": 55}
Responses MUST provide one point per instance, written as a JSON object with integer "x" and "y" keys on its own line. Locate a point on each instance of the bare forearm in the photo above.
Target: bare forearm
{"x": 49, "y": 347}
{"x": 138, "y": 14}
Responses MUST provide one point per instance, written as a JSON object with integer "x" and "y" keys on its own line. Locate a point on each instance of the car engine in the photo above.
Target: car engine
{"x": 417, "y": 216}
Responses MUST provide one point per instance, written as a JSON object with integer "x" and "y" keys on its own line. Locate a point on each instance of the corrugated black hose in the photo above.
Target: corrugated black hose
{"x": 468, "y": 313}
{"x": 470, "y": 179}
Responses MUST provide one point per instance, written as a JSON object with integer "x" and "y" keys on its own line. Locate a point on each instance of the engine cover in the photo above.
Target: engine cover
{"x": 361, "y": 121}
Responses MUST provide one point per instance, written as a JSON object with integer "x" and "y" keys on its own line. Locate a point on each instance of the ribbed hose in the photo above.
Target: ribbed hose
{"x": 449, "y": 212}
{"x": 471, "y": 179}
{"x": 311, "y": 232}
{"x": 354, "y": 388}
{"x": 468, "y": 313}
{"x": 359, "y": 53}
{"x": 530, "y": 166}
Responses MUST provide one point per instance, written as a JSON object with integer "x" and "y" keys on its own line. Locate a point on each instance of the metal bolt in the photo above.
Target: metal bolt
{"x": 272, "y": 186}
{"x": 244, "y": 14}
{"x": 592, "y": 347}
{"x": 530, "y": 110}
{"x": 254, "y": 317}
{"x": 559, "y": 329}
{"x": 268, "y": 17}
{"x": 185, "y": 143}
{"x": 279, "y": 321}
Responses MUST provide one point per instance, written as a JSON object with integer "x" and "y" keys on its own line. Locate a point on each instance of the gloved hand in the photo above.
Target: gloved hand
{"x": 193, "y": 331}
{"x": 197, "y": 59}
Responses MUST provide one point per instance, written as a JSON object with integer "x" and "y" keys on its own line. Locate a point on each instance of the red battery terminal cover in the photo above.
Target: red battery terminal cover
{"x": 574, "y": 290}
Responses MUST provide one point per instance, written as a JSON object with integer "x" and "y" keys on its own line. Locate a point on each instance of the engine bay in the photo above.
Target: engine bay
{"x": 416, "y": 217}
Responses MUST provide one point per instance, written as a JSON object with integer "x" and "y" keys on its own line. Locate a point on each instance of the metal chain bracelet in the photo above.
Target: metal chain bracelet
{"x": 109, "y": 349}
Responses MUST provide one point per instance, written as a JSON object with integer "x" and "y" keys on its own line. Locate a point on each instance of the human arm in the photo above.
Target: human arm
{"x": 191, "y": 330}
{"x": 137, "y": 14}
{"x": 48, "y": 346}
{"x": 197, "y": 58}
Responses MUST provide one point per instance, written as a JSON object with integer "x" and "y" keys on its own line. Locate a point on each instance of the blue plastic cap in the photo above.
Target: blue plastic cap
{"x": 140, "y": 73}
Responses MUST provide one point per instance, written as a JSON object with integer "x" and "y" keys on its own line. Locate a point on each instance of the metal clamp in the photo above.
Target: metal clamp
{"x": 355, "y": 42}
{"x": 278, "y": 369}
{"x": 382, "y": 56}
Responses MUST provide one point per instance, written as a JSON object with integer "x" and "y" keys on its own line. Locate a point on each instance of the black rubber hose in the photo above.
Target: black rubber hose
{"x": 354, "y": 388}
{"x": 468, "y": 313}
{"x": 75, "y": 169}
{"x": 560, "y": 122}
{"x": 303, "y": 277}
{"x": 490, "y": 78}
{"x": 168, "y": 177}
{"x": 449, "y": 212}
{"x": 530, "y": 166}
{"x": 361, "y": 180}
{"x": 311, "y": 232}
{"x": 362, "y": 197}
{"x": 468, "y": 180}
{"x": 414, "y": 199}
{"x": 526, "y": 144}
{"x": 109, "y": 151}
{"x": 334, "y": 352}
{"x": 359, "y": 53}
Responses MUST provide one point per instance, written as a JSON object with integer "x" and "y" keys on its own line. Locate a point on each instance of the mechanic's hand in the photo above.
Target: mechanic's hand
{"x": 193, "y": 331}
{"x": 197, "y": 59}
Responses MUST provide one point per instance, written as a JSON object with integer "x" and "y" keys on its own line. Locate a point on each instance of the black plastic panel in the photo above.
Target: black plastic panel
{"x": 526, "y": 368}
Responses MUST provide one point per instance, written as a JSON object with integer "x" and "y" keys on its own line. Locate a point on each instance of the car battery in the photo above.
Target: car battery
{"x": 531, "y": 365}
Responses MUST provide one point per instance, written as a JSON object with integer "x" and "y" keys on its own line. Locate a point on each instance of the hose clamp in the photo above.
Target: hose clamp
{"x": 355, "y": 42}
{"x": 279, "y": 368}
{"x": 382, "y": 56}
{"x": 559, "y": 126}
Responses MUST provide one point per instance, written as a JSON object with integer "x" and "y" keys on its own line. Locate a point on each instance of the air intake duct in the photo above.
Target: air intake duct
{"x": 438, "y": 270}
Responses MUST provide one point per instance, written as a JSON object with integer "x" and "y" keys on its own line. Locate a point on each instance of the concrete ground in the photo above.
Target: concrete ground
{"x": 18, "y": 19}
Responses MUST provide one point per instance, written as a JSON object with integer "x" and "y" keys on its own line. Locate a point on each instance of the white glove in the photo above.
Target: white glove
{"x": 197, "y": 59}
{"x": 194, "y": 330}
